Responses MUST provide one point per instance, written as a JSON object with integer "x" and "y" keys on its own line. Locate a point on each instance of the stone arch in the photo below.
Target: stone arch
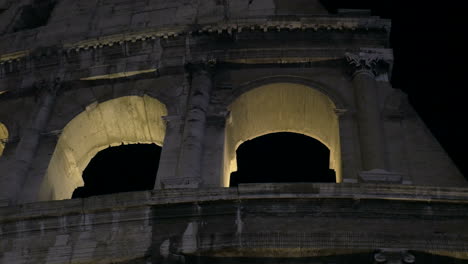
{"x": 3, "y": 137}
{"x": 124, "y": 120}
{"x": 71, "y": 103}
{"x": 336, "y": 98}
{"x": 282, "y": 107}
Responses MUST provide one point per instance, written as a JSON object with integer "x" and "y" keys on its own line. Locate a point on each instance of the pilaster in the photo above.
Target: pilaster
{"x": 350, "y": 155}
{"x": 191, "y": 151}
{"x": 29, "y": 141}
{"x": 366, "y": 66}
{"x": 170, "y": 152}
{"x": 213, "y": 156}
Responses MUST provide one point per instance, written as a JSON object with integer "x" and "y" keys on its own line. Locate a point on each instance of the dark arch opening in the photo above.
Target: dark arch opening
{"x": 123, "y": 168}
{"x": 282, "y": 157}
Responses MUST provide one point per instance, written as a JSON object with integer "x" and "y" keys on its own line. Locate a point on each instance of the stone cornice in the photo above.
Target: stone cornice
{"x": 263, "y": 24}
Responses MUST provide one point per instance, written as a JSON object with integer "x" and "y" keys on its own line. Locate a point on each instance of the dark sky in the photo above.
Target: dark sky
{"x": 426, "y": 40}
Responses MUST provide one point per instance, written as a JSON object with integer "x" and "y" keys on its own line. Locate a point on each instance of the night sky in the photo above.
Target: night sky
{"x": 426, "y": 39}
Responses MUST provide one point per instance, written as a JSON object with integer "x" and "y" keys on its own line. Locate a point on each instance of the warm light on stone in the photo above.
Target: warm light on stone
{"x": 282, "y": 107}
{"x": 117, "y": 75}
{"x": 78, "y": 77}
{"x": 3, "y": 137}
{"x": 125, "y": 120}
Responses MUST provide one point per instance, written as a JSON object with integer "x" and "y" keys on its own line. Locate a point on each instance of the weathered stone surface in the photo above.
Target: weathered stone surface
{"x": 275, "y": 66}
{"x": 253, "y": 220}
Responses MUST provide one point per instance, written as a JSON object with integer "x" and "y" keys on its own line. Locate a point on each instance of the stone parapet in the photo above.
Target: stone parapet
{"x": 233, "y": 222}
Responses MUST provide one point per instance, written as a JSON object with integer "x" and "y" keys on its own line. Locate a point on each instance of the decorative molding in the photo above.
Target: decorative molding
{"x": 52, "y": 85}
{"x": 205, "y": 66}
{"x": 218, "y": 119}
{"x": 341, "y": 111}
{"x": 263, "y": 24}
{"x": 15, "y": 56}
{"x": 378, "y": 62}
{"x": 174, "y": 121}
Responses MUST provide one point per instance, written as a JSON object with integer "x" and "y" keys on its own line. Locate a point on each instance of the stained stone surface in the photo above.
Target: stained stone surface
{"x": 252, "y": 221}
{"x": 195, "y": 77}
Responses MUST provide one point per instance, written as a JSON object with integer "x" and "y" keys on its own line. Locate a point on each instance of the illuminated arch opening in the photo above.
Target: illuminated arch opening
{"x": 3, "y": 137}
{"x": 282, "y": 107}
{"x": 125, "y": 120}
{"x": 282, "y": 157}
{"x": 122, "y": 168}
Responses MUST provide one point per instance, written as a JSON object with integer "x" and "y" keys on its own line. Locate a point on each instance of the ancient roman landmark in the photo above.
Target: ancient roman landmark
{"x": 202, "y": 81}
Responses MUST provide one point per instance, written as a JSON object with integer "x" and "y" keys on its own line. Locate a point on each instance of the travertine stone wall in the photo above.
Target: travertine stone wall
{"x": 257, "y": 221}
{"x": 108, "y": 72}
{"x": 99, "y": 51}
{"x": 171, "y": 91}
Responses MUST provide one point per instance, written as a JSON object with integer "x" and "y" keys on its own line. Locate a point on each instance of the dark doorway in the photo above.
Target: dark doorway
{"x": 282, "y": 157}
{"x": 124, "y": 168}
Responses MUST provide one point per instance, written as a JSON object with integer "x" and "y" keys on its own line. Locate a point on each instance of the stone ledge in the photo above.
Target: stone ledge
{"x": 129, "y": 200}
{"x": 253, "y": 218}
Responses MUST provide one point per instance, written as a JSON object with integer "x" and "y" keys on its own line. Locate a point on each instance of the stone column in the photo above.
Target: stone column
{"x": 191, "y": 152}
{"x": 350, "y": 156}
{"x": 368, "y": 115}
{"x": 213, "y": 153}
{"x": 28, "y": 144}
{"x": 371, "y": 134}
{"x": 170, "y": 152}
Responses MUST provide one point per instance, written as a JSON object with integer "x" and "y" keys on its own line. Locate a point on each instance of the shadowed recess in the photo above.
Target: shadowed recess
{"x": 124, "y": 168}
{"x": 282, "y": 157}
{"x": 282, "y": 107}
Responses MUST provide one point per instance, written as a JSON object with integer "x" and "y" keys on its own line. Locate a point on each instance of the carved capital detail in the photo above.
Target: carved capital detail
{"x": 207, "y": 66}
{"x": 377, "y": 62}
{"x": 174, "y": 122}
{"x": 50, "y": 86}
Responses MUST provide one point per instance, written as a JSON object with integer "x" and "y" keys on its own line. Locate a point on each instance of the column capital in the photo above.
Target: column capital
{"x": 51, "y": 86}
{"x": 375, "y": 62}
{"x": 201, "y": 67}
{"x": 217, "y": 119}
{"x": 340, "y": 112}
{"x": 173, "y": 119}
{"x": 174, "y": 122}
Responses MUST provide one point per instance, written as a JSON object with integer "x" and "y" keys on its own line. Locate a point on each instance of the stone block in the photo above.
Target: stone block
{"x": 381, "y": 176}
